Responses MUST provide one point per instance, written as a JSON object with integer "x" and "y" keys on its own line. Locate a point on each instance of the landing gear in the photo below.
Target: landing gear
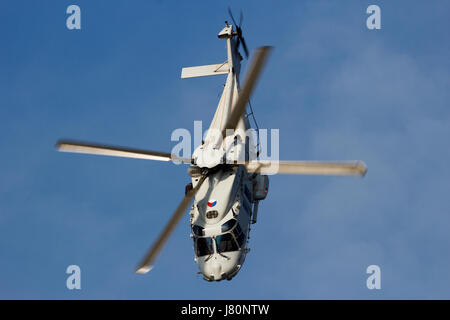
{"x": 255, "y": 212}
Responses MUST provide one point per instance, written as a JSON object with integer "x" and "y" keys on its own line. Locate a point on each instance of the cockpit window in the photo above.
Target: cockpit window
{"x": 197, "y": 230}
{"x": 203, "y": 246}
{"x": 226, "y": 242}
{"x": 228, "y": 225}
{"x": 240, "y": 236}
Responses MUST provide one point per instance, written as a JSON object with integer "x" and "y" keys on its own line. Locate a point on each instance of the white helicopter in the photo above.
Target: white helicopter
{"x": 228, "y": 179}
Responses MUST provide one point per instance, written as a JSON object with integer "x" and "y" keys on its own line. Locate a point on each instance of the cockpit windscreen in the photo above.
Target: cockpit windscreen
{"x": 226, "y": 242}
{"x": 203, "y": 246}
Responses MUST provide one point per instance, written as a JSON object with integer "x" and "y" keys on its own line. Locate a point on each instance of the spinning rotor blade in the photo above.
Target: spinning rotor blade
{"x": 357, "y": 168}
{"x": 147, "y": 263}
{"x": 244, "y": 46}
{"x": 106, "y": 150}
{"x": 232, "y": 18}
{"x": 247, "y": 89}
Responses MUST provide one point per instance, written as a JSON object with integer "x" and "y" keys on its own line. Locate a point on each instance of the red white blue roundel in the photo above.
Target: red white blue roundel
{"x": 212, "y": 203}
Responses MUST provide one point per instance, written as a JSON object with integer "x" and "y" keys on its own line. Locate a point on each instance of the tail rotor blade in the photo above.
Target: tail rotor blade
{"x": 148, "y": 262}
{"x": 232, "y": 18}
{"x": 244, "y": 45}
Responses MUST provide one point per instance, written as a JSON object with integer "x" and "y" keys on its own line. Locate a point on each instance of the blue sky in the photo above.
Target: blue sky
{"x": 335, "y": 89}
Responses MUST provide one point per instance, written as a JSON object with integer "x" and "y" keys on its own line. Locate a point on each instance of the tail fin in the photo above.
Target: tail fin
{"x": 203, "y": 71}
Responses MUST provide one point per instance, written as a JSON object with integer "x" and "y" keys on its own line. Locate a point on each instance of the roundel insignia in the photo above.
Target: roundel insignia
{"x": 212, "y": 203}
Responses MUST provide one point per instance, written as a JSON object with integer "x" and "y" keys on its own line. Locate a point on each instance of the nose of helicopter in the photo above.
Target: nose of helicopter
{"x": 219, "y": 268}
{"x": 216, "y": 269}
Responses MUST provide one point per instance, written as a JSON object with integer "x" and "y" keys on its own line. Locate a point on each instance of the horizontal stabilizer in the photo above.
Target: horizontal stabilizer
{"x": 203, "y": 71}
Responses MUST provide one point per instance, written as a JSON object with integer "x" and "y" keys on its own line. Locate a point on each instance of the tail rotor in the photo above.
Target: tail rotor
{"x": 239, "y": 31}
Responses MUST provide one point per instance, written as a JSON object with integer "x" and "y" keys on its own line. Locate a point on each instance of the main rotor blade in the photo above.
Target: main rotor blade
{"x": 247, "y": 89}
{"x": 107, "y": 150}
{"x": 357, "y": 168}
{"x": 147, "y": 263}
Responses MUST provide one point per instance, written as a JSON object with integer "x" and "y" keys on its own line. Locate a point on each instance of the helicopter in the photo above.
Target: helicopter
{"x": 228, "y": 179}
